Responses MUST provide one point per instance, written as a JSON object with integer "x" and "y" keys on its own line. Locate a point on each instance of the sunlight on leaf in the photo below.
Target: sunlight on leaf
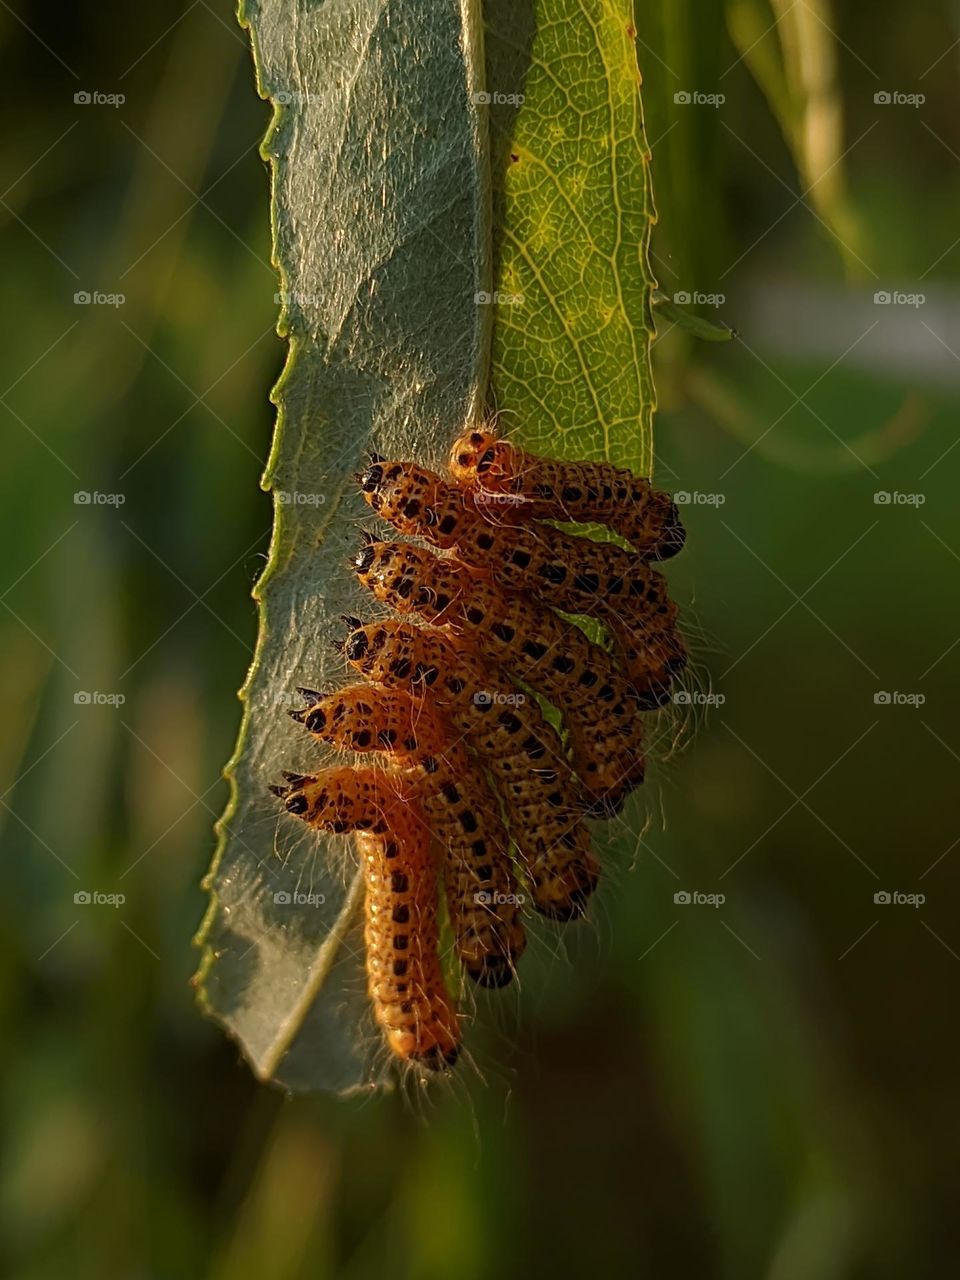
{"x": 386, "y": 205}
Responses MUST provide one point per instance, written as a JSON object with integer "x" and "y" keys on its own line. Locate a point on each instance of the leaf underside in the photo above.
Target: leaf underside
{"x": 395, "y": 205}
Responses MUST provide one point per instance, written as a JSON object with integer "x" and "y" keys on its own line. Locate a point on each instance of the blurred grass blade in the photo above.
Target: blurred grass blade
{"x": 574, "y": 210}
{"x": 381, "y": 222}
{"x": 791, "y": 50}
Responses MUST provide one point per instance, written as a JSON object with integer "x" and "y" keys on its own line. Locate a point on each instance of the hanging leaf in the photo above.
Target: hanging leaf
{"x": 381, "y": 226}
{"x": 383, "y": 232}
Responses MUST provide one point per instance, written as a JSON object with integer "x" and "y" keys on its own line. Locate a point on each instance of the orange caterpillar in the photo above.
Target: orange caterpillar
{"x": 575, "y": 574}
{"x": 404, "y": 979}
{"x": 599, "y": 707}
{"x": 523, "y": 752}
{"x": 580, "y": 492}
{"x": 458, "y": 806}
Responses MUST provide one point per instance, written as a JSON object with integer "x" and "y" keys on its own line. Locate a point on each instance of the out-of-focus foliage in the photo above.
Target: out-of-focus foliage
{"x": 675, "y": 1097}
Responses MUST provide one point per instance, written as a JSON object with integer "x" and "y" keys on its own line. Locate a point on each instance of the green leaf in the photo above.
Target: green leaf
{"x": 380, "y": 210}
{"x": 387, "y": 203}
{"x": 571, "y": 352}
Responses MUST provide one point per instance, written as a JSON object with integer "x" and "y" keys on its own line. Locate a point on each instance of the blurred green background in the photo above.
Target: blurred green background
{"x": 764, "y": 1088}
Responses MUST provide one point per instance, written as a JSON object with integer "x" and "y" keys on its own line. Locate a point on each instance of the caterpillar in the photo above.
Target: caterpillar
{"x": 410, "y": 1000}
{"x": 571, "y": 573}
{"x": 581, "y": 492}
{"x": 458, "y": 806}
{"x": 522, "y": 751}
{"x": 650, "y": 664}
{"x": 598, "y": 705}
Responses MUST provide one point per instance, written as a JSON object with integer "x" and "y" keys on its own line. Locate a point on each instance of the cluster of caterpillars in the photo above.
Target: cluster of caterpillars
{"x": 473, "y": 786}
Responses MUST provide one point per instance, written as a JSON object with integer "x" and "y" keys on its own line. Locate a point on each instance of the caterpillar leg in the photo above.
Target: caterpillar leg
{"x": 410, "y": 1001}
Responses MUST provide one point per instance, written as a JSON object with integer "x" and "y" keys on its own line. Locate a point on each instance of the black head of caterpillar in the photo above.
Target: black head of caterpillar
{"x": 581, "y": 492}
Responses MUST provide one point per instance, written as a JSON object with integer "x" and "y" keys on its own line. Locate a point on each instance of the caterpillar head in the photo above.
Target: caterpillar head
{"x": 478, "y": 457}
{"x": 672, "y": 535}
{"x": 411, "y": 578}
{"x": 339, "y": 799}
{"x": 364, "y": 718}
{"x": 403, "y": 493}
{"x": 390, "y": 652}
